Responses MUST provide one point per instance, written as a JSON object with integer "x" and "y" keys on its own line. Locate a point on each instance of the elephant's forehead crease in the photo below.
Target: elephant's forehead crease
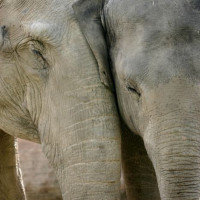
{"x": 43, "y": 30}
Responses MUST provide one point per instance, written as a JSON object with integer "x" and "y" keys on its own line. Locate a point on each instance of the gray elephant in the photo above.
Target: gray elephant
{"x": 51, "y": 92}
{"x": 154, "y": 49}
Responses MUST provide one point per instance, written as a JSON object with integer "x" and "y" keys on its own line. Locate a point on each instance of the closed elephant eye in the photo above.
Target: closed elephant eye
{"x": 133, "y": 90}
{"x": 40, "y": 58}
{"x": 37, "y": 48}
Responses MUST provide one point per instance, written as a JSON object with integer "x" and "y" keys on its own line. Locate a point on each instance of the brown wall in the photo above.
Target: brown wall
{"x": 39, "y": 179}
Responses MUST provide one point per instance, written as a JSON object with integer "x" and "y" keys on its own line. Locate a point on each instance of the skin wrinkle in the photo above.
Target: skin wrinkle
{"x": 3, "y": 34}
{"x": 44, "y": 32}
{"x": 14, "y": 101}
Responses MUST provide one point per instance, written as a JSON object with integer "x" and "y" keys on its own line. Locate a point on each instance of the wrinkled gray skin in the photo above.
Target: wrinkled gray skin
{"x": 51, "y": 92}
{"x": 154, "y": 48}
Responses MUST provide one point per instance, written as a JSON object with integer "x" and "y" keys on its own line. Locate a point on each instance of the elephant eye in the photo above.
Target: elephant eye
{"x": 40, "y": 58}
{"x": 133, "y": 90}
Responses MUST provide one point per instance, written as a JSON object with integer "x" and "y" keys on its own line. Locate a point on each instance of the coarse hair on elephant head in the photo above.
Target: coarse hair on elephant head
{"x": 153, "y": 49}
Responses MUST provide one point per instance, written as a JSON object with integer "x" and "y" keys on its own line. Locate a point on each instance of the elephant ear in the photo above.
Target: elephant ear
{"x": 88, "y": 14}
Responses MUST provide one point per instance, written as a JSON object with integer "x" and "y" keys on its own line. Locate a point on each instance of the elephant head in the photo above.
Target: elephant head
{"x": 154, "y": 49}
{"x": 52, "y": 92}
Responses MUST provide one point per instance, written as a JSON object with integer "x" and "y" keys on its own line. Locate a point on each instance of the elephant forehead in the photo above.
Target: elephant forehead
{"x": 155, "y": 40}
{"x": 160, "y": 14}
{"x": 42, "y": 20}
{"x": 152, "y": 66}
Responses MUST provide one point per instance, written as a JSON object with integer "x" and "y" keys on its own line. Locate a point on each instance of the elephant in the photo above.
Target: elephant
{"x": 53, "y": 92}
{"x": 153, "y": 48}
{"x": 140, "y": 57}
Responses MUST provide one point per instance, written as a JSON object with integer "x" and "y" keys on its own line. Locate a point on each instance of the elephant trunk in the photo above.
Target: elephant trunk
{"x": 86, "y": 152}
{"x": 173, "y": 144}
{"x": 92, "y": 168}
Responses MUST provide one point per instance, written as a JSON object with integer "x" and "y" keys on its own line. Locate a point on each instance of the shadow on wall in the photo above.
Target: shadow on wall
{"x": 39, "y": 179}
